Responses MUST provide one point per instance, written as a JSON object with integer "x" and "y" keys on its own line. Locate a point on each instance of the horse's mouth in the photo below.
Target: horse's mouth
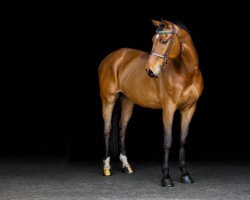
{"x": 154, "y": 76}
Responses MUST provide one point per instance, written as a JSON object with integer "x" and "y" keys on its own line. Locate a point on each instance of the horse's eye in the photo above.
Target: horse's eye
{"x": 164, "y": 41}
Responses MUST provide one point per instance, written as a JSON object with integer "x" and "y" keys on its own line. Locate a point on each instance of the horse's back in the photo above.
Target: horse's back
{"x": 118, "y": 59}
{"x": 113, "y": 65}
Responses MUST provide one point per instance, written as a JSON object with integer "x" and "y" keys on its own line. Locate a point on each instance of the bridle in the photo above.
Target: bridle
{"x": 165, "y": 57}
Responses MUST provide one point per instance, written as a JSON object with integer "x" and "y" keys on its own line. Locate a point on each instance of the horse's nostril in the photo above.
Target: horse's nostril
{"x": 150, "y": 73}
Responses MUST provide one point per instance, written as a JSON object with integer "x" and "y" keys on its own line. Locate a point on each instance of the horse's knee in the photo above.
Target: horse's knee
{"x": 106, "y": 133}
{"x": 167, "y": 146}
{"x": 122, "y": 132}
{"x": 107, "y": 130}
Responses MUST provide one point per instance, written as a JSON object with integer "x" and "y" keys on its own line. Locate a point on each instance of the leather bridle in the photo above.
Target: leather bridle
{"x": 165, "y": 56}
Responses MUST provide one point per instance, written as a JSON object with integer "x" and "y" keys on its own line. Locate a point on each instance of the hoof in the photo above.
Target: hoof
{"x": 186, "y": 179}
{"x": 167, "y": 182}
{"x": 127, "y": 170}
{"x": 107, "y": 172}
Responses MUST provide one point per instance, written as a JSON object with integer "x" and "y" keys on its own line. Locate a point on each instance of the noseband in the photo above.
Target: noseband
{"x": 165, "y": 57}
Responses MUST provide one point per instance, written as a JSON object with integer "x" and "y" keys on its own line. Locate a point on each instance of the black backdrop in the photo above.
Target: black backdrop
{"x": 49, "y": 84}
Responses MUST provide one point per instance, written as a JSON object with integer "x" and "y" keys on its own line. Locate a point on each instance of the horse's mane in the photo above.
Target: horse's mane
{"x": 180, "y": 25}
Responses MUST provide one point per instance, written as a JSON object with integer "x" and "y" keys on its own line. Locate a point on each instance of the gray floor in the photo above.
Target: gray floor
{"x": 58, "y": 179}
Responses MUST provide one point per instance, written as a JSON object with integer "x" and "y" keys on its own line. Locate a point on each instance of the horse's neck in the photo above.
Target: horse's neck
{"x": 188, "y": 59}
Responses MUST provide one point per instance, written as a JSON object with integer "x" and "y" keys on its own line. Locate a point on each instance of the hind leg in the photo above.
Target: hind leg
{"x": 126, "y": 112}
{"x": 186, "y": 116}
{"x": 167, "y": 116}
{"x": 107, "y": 109}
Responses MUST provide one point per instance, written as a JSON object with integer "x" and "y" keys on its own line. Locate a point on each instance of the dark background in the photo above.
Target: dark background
{"x": 49, "y": 83}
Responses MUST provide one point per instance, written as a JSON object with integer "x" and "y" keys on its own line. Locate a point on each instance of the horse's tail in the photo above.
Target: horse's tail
{"x": 114, "y": 137}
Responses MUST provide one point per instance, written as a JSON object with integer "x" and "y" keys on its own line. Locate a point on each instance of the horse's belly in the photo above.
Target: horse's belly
{"x": 143, "y": 99}
{"x": 141, "y": 89}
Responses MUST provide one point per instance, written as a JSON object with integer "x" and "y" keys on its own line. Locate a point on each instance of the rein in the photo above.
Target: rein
{"x": 165, "y": 57}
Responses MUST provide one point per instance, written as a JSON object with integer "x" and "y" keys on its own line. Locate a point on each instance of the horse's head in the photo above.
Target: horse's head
{"x": 166, "y": 46}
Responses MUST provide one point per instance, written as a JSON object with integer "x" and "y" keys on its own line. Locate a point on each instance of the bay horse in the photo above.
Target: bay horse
{"x": 172, "y": 81}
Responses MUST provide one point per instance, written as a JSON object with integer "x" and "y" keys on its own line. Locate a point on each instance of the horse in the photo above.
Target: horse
{"x": 172, "y": 81}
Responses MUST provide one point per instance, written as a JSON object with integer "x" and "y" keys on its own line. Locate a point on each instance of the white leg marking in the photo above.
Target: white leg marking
{"x": 124, "y": 160}
{"x": 106, "y": 163}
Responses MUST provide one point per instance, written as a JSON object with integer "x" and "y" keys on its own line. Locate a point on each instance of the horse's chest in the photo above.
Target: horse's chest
{"x": 188, "y": 97}
{"x": 182, "y": 92}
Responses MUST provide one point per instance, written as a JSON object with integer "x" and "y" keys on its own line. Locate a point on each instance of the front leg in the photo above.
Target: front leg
{"x": 186, "y": 116}
{"x": 167, "y": 115}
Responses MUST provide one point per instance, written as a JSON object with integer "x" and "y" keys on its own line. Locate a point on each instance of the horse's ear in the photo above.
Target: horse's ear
{"x": 155, "y": 22}
{"x": 166, "y": 23}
